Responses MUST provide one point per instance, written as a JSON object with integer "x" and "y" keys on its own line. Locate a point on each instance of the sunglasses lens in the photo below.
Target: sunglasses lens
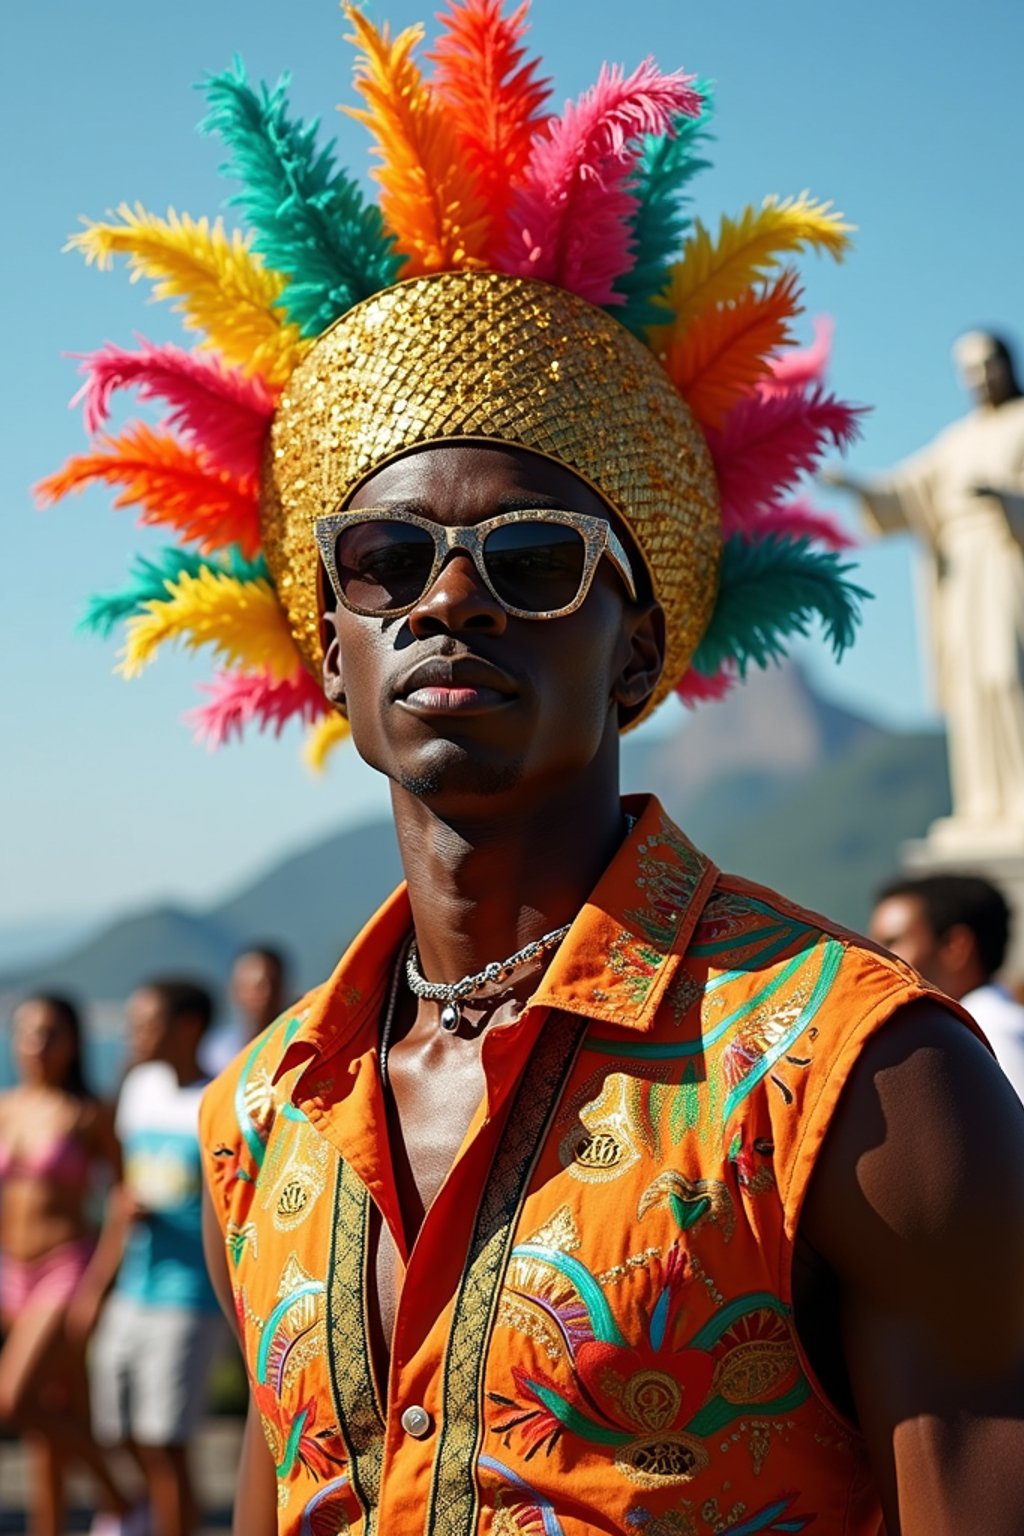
{"x": 537, "y": 567}
{"x": 383, "y": 566}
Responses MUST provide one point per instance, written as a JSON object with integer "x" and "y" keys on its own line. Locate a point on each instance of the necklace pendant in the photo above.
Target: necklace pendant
{"x": 450, "y": 1016}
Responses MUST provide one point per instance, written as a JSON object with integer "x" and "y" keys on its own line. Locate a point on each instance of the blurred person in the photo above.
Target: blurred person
{"x": 963, "y": 497}
{"x": 954, "y": 929}
{"x": 158, "y": 1334}
{"x": 259, "y": 992}
{"x": 54, "y": 1133}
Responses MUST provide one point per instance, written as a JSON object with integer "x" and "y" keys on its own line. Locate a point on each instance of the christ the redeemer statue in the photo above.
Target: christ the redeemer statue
{"x": 963, "y": 497}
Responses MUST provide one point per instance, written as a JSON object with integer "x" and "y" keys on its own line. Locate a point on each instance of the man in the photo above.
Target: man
{"x": 954, "y": 930}
{"x": 158, "y": 1333}
{"x": 963, "y": 497}
{"x": 595, "y": 1190}
{"x": 258, "y": 993}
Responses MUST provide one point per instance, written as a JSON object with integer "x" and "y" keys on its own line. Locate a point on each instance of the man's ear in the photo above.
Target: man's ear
{"x": 644, "y": 632}
{"x": 333, "y": 684}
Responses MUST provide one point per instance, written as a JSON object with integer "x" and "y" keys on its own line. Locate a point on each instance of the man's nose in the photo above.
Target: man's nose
{"x": 458, "y": 599}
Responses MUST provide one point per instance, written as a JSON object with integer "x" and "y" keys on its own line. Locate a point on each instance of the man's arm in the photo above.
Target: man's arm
{"x": 917, "y": 1204}
{"x": 255, "y": 1509}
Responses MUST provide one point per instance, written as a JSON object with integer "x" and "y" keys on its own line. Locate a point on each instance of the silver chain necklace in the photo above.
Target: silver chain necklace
{"x": 452, "y": 993}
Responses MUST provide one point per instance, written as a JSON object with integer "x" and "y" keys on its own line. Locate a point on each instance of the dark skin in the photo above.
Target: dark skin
{"x": 909, "y": 1279}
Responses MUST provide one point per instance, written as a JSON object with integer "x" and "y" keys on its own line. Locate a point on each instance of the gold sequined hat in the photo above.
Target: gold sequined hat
{"x": 527, "y": 279}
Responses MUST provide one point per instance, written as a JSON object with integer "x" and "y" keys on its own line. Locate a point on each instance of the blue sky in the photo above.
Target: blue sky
{"x": 907, "y": 115}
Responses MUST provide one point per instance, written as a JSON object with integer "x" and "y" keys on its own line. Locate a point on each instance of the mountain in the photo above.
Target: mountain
{"x": 775, "y": 782}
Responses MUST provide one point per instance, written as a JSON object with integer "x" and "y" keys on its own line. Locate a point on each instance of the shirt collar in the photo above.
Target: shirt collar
{"x": 614, "y": 965}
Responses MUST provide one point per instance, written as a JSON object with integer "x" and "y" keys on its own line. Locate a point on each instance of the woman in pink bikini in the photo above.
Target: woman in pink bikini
{"x": 53, "y": 1132}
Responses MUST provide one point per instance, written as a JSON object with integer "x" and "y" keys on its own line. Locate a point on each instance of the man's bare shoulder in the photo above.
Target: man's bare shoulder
{"x": 918, "y": 1197}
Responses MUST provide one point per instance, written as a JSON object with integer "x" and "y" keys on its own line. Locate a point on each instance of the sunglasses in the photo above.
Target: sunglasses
{"x": 538, "y": 563}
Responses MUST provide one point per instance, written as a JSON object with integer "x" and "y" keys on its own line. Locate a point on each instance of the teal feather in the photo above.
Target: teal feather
{"x": 310, "y": 219}
{"x": 149, "y": 582}
{"x": 668, "y": 165}
{"x": 769, "y": 590}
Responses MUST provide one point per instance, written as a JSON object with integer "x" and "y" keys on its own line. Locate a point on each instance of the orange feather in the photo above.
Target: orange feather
{"x": 173, "y": 483}
{"x": 491, "y": 96}
{"x": 429, "y": 194}
{"x": 726, "y": 350}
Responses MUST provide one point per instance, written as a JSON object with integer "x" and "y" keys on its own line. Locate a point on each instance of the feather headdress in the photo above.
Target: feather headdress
{"x": 476, "y": 175}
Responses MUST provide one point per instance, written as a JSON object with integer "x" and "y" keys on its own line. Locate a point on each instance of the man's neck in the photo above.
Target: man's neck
{"x": 482, "y": 888}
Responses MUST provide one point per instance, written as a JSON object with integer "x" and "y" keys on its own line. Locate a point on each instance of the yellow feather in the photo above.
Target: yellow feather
{"x": 222, "y": 287}
{"x": 321, "y": 740}
{"x": 242, "y": 620}
{"x": 429, "y": 196}
{"x": 747, "y": 249}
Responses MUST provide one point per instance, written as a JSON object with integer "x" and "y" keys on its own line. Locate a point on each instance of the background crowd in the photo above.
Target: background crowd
{"x": 110, "y": 1327}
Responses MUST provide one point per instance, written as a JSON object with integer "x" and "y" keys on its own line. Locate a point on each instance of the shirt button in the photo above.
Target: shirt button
{"x": 416, "y": 1421}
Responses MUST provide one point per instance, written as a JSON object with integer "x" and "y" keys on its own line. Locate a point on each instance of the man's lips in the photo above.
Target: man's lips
{"x": 455, "y": 685}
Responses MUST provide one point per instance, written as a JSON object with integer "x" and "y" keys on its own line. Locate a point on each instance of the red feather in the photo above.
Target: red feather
{"x": 221, "y": 409}
{"x": 571, "y": 219}
{"x": 765, "y": 445}
{"x": 694, "y": 688}
{"x": 237, "y": 699}
{"x": 802, "y": 366}
{"x": 800, "y": 520}
{"x": 492, "y": 97}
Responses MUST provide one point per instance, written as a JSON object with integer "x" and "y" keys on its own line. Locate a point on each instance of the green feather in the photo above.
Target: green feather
{"x": 310, "y": 219}
{"x": 770, "y": 589}
{"x": 668, "y": 165}
{"x": 150, "y": 580}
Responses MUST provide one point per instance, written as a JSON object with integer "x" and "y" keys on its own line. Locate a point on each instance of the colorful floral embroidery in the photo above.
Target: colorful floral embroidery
{"x": 652, "y": 1404}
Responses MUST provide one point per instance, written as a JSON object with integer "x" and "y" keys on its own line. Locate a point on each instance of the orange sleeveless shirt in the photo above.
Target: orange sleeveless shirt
{"x": 594, "y": 1332}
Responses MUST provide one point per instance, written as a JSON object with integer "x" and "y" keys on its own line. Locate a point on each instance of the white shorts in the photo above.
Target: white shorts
{"x": 148, "y": 1371}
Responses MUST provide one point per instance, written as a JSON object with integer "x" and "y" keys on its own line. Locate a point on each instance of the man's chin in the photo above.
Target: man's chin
{"x": 449, "y": 775}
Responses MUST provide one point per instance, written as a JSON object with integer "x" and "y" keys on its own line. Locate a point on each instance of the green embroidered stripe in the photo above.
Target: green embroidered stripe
{"x": 353, "y": 1387}
{"x": 753, "y": 1301}
{"x": 311, "y": 1288}
{"x": 251, "y": 1135}
{"x": 829, "y": 966}
{"x": 715, "y": 1415}
{"x": 602, "y": 1046}
{"x": 454, "y": 1495}
{"x": 740, "y": 940}
{"x": 606, "y": 1329}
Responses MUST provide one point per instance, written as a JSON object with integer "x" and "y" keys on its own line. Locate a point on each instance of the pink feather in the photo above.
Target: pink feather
{"x": 800, "y": 520}
{"x": 802, "y": 366}
{"x": 765, "y": 445}
{"x": 237, "y": 699}
{"x": 570, "y": 223}
{"x": 225, "y": 412}
{"x": 694, "y": 688}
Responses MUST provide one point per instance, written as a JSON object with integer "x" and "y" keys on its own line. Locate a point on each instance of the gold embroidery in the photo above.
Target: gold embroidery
{"x": 692, "y": 1202}
{"x": 294, "y": 1175}
{"x": 619, "y": 1272}
{"x": 559, "y": 1231}
{"x": 527, "y": 1318}
{"x": 607, "y": 1147}
{"x": 662, "y": 1461}
{"x": 353, "y": 1387}
{"x": 454, "y": 1497}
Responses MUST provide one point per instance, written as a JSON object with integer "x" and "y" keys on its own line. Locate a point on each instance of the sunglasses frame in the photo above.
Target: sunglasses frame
{"x": 599, "y": 538}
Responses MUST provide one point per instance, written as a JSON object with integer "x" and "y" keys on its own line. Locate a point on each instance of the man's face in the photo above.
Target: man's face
{"x": 256, "y": 988}
{"x": 899, "y": 924}
{"x": 501, "y": 705}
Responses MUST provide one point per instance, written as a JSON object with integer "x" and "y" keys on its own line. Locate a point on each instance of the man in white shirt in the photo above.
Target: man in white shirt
{"x": 954, "y": 930}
